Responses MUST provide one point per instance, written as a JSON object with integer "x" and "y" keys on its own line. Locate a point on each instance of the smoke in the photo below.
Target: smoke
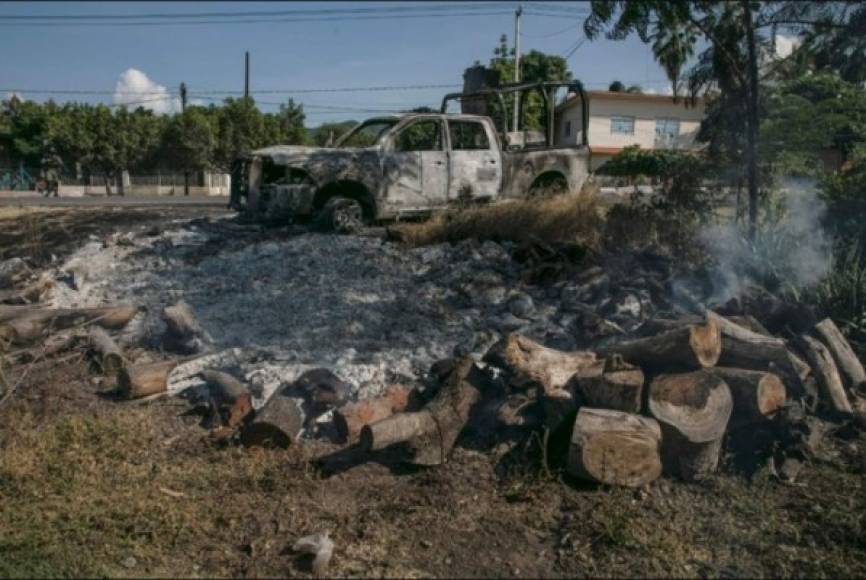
{"x": 135, "y": 89}
{"x": 791, "y": 248}
{"x": 785, "y": 45}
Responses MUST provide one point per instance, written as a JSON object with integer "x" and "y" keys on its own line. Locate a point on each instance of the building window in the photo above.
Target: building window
{"x": 667, "y": 131}
{"x": 567, "y": 129}
{"x": 622, "y": 125}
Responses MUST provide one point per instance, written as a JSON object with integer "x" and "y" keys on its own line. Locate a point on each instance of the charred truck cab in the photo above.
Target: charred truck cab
{"x": 403, "y": 165}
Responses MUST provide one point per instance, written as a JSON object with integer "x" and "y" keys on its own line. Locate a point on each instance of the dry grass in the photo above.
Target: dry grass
{"x": 567, "y": 218}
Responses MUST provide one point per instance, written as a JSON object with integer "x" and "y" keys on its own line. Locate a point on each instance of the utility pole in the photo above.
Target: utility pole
{"x": 517, "y": 15}
{"x": 185, "y": 171}
{"x": 247, "y": 76}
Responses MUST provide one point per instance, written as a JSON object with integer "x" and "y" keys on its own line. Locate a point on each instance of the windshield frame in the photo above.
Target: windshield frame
{"x": 391, "y": 121}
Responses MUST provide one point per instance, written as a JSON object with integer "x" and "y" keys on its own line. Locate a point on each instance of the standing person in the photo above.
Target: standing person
{"x": 52, "y": 165}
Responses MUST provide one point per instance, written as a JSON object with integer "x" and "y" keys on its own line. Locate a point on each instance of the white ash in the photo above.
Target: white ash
{"x": 371, "y": 312}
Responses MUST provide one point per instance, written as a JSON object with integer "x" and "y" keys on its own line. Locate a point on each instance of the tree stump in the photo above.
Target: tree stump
{"x": 693, "y": 410}
{"x": 615, "y": 448}
{"x": 619, "y": 387}
{"x": 278, "y": 424}
{"x": 183, "y": 332}
{"x": 143, "y": 380}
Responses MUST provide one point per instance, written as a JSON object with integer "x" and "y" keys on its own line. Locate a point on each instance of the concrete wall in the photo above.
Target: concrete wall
{"x": 646, "y": 111}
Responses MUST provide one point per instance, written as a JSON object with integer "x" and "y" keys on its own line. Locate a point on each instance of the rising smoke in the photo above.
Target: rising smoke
{"x": 791, "y": 249}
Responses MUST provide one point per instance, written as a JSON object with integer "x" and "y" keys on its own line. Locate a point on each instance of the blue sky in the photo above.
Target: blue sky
{"x": 292, "y": 55}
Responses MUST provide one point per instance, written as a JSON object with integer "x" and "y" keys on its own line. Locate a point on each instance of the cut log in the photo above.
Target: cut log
{"x": 692, "y": 346}
{"x": 322, "y": 388}
{"x": 430, "y": 433}
{"x": 27, "y": 295}
{"x": 850, "y": 367}
{"x": 615, "y": 448}
{"x": 749, "y": 322}
{"x": 618, "y": 388}
{"x": 745, "y": 349}
{"x": 531, "y": 364}
{"x": 350, "y": 419}
{"x": 183, "y": 332}
{"x": 108, "y": 354}
{"x": 757, "y": 394}
{"x": 693, "y": 410}
{"x": 135, "y": 382}
{"x": 34, "y": 323}
{"x": 824, "y": 369}
{"x": 232, "y": 398}
{"x": 277, "y": 424}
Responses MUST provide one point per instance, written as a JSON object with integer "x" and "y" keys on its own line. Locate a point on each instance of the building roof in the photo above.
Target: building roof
{"x": 624, "y": 96}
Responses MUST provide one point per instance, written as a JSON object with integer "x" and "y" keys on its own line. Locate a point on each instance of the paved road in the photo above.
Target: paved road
{"x": 113, "y": 201}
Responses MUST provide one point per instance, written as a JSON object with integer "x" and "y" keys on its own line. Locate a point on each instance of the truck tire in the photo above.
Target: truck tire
{"x": 548, "y": 186}
{"x": 342, "y": 215}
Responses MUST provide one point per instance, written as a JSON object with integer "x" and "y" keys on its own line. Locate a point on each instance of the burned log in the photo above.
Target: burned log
{"x": 850, "y": 367}
{"x": 757, "y": 394}
{"x": 693, "y": 410}
{"x": 615, "y": 448}
{"x": 231, "y": 397}
{"x": 745, "y": 349}
{"x": 430, "y": 434}
{"x": 278, "y": 424}
{"x": 108, "y": 354}
{"x": 135, "y": 382}
{"x": 31, "y": 324}
{"x": 825, "y": 371}
{"x": 618, "y": 387}
{"x": 531, "y": 364}
{"x": 183, "y": 333}
{"x": 351, "y": 418}
{"x": 691, "y": 346}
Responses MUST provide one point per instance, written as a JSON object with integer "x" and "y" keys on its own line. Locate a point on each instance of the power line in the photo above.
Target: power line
{"x": 266, "y": 13}
{"x": 570, "y": 28}
{"x": 255, "y": 21}
{"x": 232, "y": 92}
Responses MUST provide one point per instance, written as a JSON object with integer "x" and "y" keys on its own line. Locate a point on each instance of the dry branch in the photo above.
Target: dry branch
{"x": 850, "y": 367}
{"x": 824, "y": 369}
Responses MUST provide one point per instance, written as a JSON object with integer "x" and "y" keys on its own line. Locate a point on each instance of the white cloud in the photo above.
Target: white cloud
{"x": 134, "y": 88}
{"x": 664, "y": 90}
{"x": 785, "y": 45}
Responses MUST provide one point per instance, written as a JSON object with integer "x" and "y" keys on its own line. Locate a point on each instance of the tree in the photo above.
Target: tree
{"x": 26, "y": 123}
{"x": 240, "y": 130}
{"x": 534, "y": 66}
{"x": 837, "y": 42}
{"x": 188, "y": 142}
{"x": 731, "y": 31}
{"x": 330, "y": 132}
{"x": 616, "y": 87}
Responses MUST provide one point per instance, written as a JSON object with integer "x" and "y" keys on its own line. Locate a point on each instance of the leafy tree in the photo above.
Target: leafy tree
{"x": 240, "y": 130}
{"x": 616, "y": 87}
{"x": 69, "y": 131}
{"x": 188, "y": 142}
{"x": 330, "y": 132}
{"x": 26, "y": 123}
{"x": 836, "y": 42}
{"x": 730, "y": 61}
{"x": 534, "y": 66}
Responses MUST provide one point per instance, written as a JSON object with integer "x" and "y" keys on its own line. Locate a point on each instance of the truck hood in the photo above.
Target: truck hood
{"x": 300, "y": 155}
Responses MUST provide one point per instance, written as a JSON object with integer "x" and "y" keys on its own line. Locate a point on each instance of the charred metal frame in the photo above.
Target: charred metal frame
{"x": 547, "y": 89}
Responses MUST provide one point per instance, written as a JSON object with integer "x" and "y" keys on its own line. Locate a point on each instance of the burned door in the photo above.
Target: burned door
{"x": 416, "y": 167}
{"x": 476, "y": 167}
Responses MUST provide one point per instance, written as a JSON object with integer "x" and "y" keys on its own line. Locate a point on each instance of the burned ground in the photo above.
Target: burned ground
{"x": 92, "y": 486}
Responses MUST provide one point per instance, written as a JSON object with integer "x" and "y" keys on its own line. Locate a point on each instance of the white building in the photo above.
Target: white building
{"x": 617, "y": 120}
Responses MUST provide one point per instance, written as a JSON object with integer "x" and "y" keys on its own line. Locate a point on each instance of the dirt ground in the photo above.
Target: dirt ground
{"x": 92, "y": 486}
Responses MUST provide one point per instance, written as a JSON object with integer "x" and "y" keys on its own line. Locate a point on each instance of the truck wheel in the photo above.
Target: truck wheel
{"x": 548, "y": 186}
{"x": 342, "y": 215}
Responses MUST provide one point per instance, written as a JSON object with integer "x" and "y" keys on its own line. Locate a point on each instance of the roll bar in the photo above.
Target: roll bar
{"x": 547, "y": 90}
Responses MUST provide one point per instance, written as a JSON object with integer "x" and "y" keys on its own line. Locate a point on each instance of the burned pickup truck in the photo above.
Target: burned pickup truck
{"x": 407, "y": 165}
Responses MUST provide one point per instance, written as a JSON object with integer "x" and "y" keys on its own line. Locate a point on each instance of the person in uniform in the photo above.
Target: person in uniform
{"x": 52, "y": 165}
